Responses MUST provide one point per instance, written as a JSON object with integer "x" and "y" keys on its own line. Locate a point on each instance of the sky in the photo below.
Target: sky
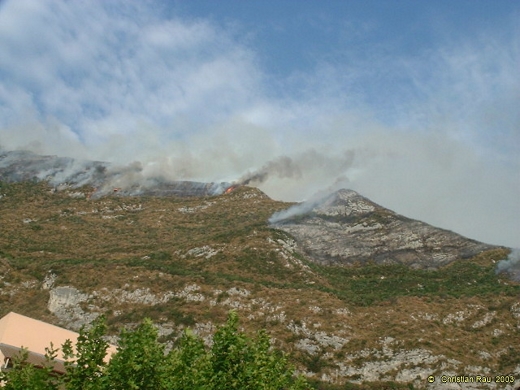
{"x": 414, "y": 104}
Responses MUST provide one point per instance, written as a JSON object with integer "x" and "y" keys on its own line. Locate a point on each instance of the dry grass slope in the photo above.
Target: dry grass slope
{"x": 187, "y": 261}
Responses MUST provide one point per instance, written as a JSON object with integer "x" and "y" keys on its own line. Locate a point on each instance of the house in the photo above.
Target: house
{"x": 17, "y": 331}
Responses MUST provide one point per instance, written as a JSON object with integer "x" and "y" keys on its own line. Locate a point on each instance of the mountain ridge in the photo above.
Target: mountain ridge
{"x": 105, "y": 178}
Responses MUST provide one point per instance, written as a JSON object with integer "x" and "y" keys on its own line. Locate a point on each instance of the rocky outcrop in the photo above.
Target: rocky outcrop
{"x": 65, "y": 303}
{"x": 347, "y": 228}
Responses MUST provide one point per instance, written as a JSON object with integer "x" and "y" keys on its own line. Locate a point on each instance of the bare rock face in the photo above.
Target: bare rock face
{"x": 347, "y": 228}
{"x": 65, "y": 303}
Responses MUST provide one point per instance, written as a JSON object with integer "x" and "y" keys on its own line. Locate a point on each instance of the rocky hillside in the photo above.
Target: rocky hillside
{"x": 347, "y": 228}
{"x": 414, "y": 303}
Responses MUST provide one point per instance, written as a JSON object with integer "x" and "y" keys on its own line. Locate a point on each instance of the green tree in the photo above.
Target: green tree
{"x": 24, "y": 376}
{"x": 86, "y": 365}
{"x": 188, "y": 366}
{"x": 139, "y": 361}
{"x": 239, "y": 362}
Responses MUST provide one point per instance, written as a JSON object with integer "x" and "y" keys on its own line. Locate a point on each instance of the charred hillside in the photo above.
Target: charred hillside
{"x": 103, "y": 177}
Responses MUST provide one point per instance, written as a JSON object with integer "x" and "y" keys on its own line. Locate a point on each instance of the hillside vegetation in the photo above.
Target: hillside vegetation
{"x": 185, "y": 262}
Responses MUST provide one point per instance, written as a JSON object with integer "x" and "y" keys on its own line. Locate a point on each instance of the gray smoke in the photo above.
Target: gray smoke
{"x": 282, "y": 167}
{"x": 301, "y": 167}
{"x": 511, "y": 265}
{"x": 130, "y": 179}
{"x": 24, "y": 165}
{"x": 308, "y": 205}
{"x": 296, "y": 210}
{"x": 304, "y": 166}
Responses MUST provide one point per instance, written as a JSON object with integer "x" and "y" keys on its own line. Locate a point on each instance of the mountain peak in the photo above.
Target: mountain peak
{"x": 347, "y": 228}
{"x": 345, "y": 202}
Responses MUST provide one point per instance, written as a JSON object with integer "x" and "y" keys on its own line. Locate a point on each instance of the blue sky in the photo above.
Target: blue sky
{"x": 297, "y": 35}
{"x": 412, "y": 103}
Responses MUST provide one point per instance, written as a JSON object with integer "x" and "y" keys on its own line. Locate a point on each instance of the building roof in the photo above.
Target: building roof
{"x": 17, "y": 331}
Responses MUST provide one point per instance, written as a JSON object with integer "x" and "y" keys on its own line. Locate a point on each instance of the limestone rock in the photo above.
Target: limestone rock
{"x": 64, "y": 303}
{"x": 347, "y": 228}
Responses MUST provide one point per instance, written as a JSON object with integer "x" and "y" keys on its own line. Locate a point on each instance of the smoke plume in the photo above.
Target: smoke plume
{"x": 283, "y": 167}
{"x": 511, "y": 265}
{"x": 305, "y": 207}
{"x": 106, "y": 178}
{"x": 301, "y": 167}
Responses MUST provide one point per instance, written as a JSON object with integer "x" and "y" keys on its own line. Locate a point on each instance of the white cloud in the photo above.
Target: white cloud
{"x": 101, "y": 61}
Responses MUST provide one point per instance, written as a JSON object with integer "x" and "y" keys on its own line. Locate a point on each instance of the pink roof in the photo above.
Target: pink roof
{"x": 18, "y": 331}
